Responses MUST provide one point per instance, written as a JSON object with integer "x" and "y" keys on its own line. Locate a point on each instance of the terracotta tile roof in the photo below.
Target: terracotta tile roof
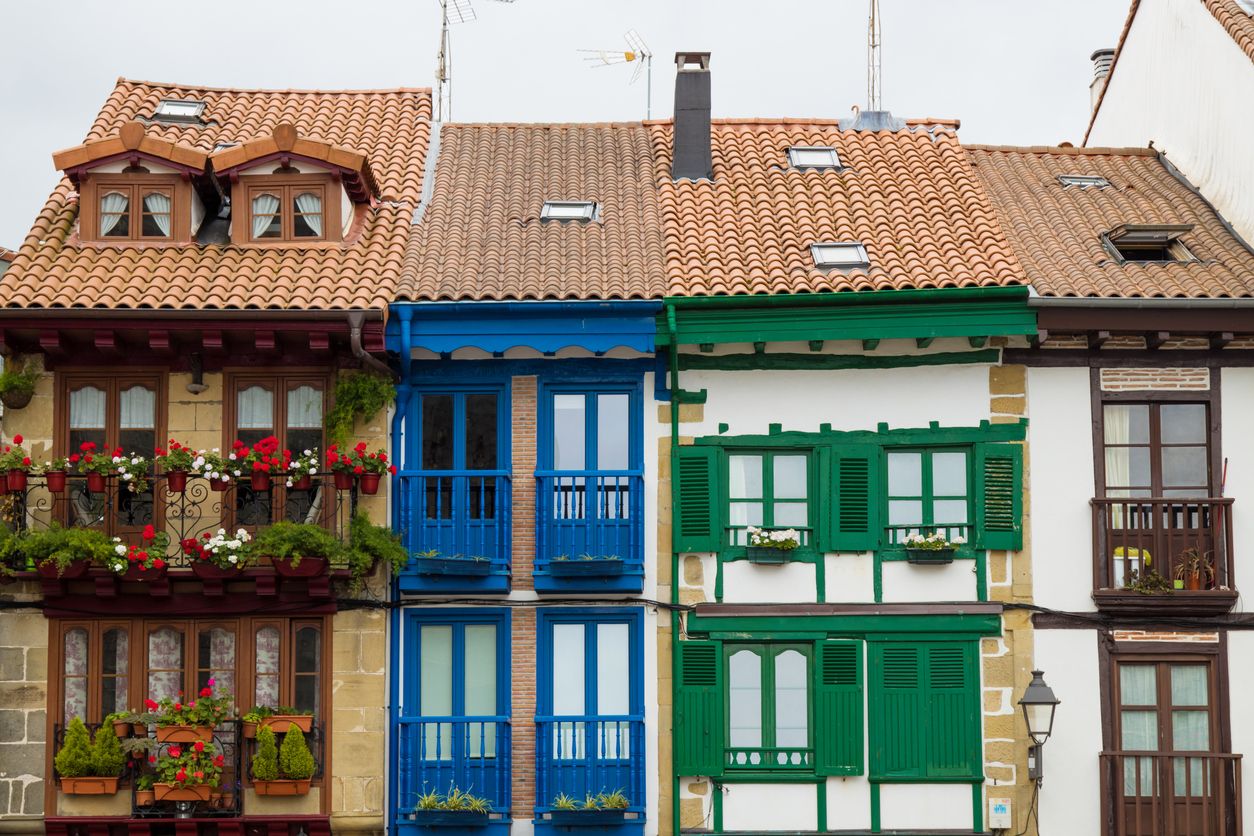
{"x": 909, "y": 196}
{"x": 6, "y": 254}
{"x": 389, "y": 127}
{"x": 1057, "y": 230}
{"x": 481, "y": 236}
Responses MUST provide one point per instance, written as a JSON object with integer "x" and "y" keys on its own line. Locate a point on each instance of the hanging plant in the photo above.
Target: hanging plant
{"x": 17, "y": 384}
{"x": 358, "y": 395}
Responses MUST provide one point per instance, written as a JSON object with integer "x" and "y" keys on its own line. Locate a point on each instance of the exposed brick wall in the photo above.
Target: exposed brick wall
{"x": 523, "y": 549}
{"x": 1133, "y": 380}
{"x": 523, "y": 419}
{"x": 1157, "y": 636}
{"x": 523, "y": 709}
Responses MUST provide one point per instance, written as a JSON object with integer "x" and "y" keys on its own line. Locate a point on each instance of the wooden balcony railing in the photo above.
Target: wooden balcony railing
{"x": 590, "y": 513}
{"x": 590, "y": 754}
{"x": 463, "y": 514}
{"x": 436, "y": 753}
{"x": 1170, "y": 794}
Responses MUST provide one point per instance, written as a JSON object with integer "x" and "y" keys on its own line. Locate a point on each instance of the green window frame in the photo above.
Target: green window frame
{"x": 935, "y": 477}
{"x": 777, "y": 713}
{"x": 777, "y": 505}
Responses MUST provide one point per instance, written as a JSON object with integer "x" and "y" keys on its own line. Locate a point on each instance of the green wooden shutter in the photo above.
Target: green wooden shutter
{"x": 699, "y": 709}
{"x": 838, "y": 708}
{"x": 896, "y": 702}
{"x": 855, "y": 504}
{"x": 998, "y": 496}
{"x": 697, "y": 527}
{"x": 953, "y": 734}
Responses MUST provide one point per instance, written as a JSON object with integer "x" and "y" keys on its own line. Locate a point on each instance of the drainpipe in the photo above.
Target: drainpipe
{"x": 672, "y": 330}
{"x": 356, "y": 321}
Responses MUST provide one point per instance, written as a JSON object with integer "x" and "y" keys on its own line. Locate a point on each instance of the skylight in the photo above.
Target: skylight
{"x": 1083, "y": 181}
{"x": 839, "y": 254}
{"x": 813, "y": 156}
{"x": 568, "y": 210}
{"x": 180, "y": 110}
{"x": 1148, "y": 242}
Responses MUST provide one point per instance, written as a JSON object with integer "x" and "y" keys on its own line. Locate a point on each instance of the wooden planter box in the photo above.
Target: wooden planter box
{"x": 930, "y": 556}
{"x": 585, "y": 568}
{"x": 90, "y": 785}
{"x": 281, "y": 787}
{"x": 76, "y": 569}
{"x": 587, "y": 818}
{"x": 451, "y": 566}
{"x": 169, "y": 792}
{"x": 184, "y": 734}
{"x": 280, "y": 723}
{"x": 448, "y": 818}
{"x": 135, "y": 573}
{"x": 757, "y": 554}
{"x": 206, "y": 571}
{"x": 309, "y": 567}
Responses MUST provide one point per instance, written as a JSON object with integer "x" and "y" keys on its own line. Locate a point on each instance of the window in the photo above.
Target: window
{"x": 768, "y": 490}
{"x": 928, "y": 490}
{"x": 839, "y": 255}
{"x": 127, "y": 211}
{"x": 179, "y": 110}
{"x": 813, "y": 156}
{"x": 110, "y": 411}
{"x": 569, "y": 210}
{"x": 290, "y": 209}
{"x": 1156, "y": 449}
{"x": 290, "y": 408}
{"x": 1084, "y": 181}
{"x": 1145, "y": 243}
{"x": 768, "y": 706}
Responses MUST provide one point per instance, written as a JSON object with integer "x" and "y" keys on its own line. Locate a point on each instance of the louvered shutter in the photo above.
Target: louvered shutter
{"x": 699, "y": 709}
{"x": 697, "y": 526}
{"x": 999, "y": 496}
{"x": 854, "y": 521}
{"x": 838, "y": 708}
{"x": 896, "y": 704}
{"x": 953, "y": 716}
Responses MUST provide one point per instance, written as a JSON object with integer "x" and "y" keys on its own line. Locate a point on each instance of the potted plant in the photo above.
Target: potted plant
{"x": 145, "y": 562}
{"x": 144, "y": 795}
{"x": 297, "y": 550}
{"x": 16, "y": 464}
{"x": 1149, "y": 582}
{"x": 176, "y": 461}
{"x": 456, "y": 809}
{"x": 369, "y": 468}
{"x": 17, "y": 385}
{"x": 595, "y": 810}
{"x": 369, "y": 544}
{"x": 93, "y": 464}
{"x": 87, "y": 769}
{"x": 771, "y": 546}
{"x": 432, "y": 562}
{"x": 188, "y": 773}
{"x": 211, "y": 465}
{"x": 931, "y": 548}
{"x": 54, "y": 473}
{"x": 342, "y": 467}
{"x": 1195, "y": 572}
{"x": 278, "y": 719}
{"x": 133, "y": 470}
{"x": 293, "y": 769}
{"x": 122, "y": 722}
{"x": 219, "y": 555}
{"x": 301, "y": 470}
{"x": 66, "y": 552}
{"x": 261, "y": 460}
{"x": 192, "y": 721}
{"x": 586, "y": 565}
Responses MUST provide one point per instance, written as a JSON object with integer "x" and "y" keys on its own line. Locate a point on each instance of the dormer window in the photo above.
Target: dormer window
{"x": 130, "y": 211}
{"x": 568, "y": 210}
{"x": 179, "y": 110}
{"x": 839, "y": 255}
{"x": 1148, "y": 243}
{"x": 289, "y": 209}
{"x": 813, "y": 156}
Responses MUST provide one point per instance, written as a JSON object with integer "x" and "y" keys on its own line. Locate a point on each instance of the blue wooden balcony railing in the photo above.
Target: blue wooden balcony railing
{"x": 436, "y": 753}
{"x": 590, "y": 754}
{"x": 590, "y": 513}
{"x": 457, "y": 513}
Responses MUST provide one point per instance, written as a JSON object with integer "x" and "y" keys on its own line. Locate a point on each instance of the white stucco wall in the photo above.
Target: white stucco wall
{"x": 747, "y": 583}
{"x": 1240, "y": 686}
{"x": 848, "y": 803}
{"x": 1236, "y": 406}
{"x": 925, "y": 806}
{"x": 770, "y": 807}
{"x": 1183, "y": 83}
{"x": 949, "y": 582}
{"x": 850, "y": 578}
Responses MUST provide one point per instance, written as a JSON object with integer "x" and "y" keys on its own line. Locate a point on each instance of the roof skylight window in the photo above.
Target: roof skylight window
{"x": 813, "y": 156}
{"x": 569, "y": 210}
{"x": 1148, "y": 242}
{"x": 179, "y": 110}
{"x": 839, "y": 255}
{"x": 1084, "y": 181}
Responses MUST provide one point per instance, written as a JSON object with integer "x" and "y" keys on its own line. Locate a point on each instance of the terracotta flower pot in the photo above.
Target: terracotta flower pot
{"x": 280, "y": 723}
{"x": 89, "y": 786}
{"x": 176, "y": 481}
{"x": 308, "y": 567}
{"x": 184, "y": 734}
{"x": 304, "y": 483}
{"x": 1193, "y": 581}
{"x": 145, "y": 798}
{"x": 261, "y": 480}
{"x": 96, "y": 482}
{"x": 121, "y": 729}
{"x": 369, "y": 483}
{"x": 218, "y": 484}
{"x": 343, "y": 480}
{"x": 169, "y": 792}
{"x": 139, "y": 730}
{"x": 55, "y": 480}
{"x": 249, "y": 730}
{"x": 207, "y": 571}
{"x": 281, "y": 787}
{"x": 77, "y": 569}
{"x": 17, "y": 480}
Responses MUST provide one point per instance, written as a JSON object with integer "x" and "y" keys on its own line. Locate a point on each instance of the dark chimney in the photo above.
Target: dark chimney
{"x": 692, "y": 117}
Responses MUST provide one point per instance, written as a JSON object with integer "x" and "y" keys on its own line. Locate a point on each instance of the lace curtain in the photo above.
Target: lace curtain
{"x": 138, "y": 408}
{"x": 255, "y": 409}
{"x": 304, "y": 408}
{"x": 87, "y": 409}
{"x": 75, "y": 674}
{"x": 267, "y": 666}
{"x": 157, "y": 207}
{"x": 310, "y": 208}
{"x": 265, "y": 207}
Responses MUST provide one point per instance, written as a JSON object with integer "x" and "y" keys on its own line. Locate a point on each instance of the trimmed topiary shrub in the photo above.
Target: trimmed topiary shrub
{"x": 75, "y": 760}
{"x": 295, "y": 759}
{"x": 266, "y": 758}
{"x": 107, "y": 753}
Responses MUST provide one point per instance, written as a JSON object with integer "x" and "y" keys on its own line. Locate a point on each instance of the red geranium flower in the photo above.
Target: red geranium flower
{"x": 359, "y": 469}
{"x": 149, "y": 532}
{"x": 392, "y": 468}
{"x": 206, "y": 692}
{"x": 199, "y": 746}
{"x": 87, "y": 446}
{"x": 159, "y": 563}
{"x": 175, "y": 751}
{"x": 17, "y": 439}
{"x": 181, "y": 776}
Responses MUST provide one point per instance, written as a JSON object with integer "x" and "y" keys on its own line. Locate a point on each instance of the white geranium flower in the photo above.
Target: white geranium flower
{"x": 234, "y": 558}
{"x": 120, "y": 549}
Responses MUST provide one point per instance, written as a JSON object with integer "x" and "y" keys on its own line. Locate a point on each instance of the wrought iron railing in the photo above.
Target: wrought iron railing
{"x": 434, "y": 754}
{"x": 582, "y": 514}
{"x": 590, "y": 754}
{"x": 1180, "y": 539}
{"x": 1171, "y": 794}
{"x": 456, "y": 514}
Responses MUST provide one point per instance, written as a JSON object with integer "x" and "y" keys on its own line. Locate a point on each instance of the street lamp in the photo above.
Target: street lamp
{"x": 1038, "y": 703}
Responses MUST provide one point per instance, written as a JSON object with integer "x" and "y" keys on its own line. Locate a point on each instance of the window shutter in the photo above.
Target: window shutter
{"x": 699, "y": 709}
{"x": 999, "y": 496}
{"x": 838, "y": 708}
{"x": 854, "y": 520}
{"x": 697, "y": 526}
{"x": 953, "y": 734}
{"x": 896, "y": 703}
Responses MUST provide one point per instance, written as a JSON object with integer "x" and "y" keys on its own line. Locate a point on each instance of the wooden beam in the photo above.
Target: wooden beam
{"x": 1155, "y": 339}
{"x": 105, "y": 343}
{"x": 263, "y": 340}
{"x": 1098, "y": 338}
{"x": 159, "y": 341}
{"x": 319, "y": 341}
{"x": 923, "y": 342}
{"x": 1220, "y": 340}
{"x": 212, "y": 341}
{"x": 1039, "y": 338}
{"x": 50, "y": 343}
{"x": 870, "y": 345}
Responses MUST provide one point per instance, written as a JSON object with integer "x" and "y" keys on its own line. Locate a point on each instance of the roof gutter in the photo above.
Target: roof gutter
{"x": 851, "y": 298}
{"x": 356, "y": 321}
{"x": 149, "y": 315}
{"x": 1129, "y": 303}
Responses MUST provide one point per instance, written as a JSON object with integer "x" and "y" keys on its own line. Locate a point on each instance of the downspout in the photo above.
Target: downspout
{"x": 672, "y": 331}
{"x": 395, "y": 621}
{"x": 356, "y": 322}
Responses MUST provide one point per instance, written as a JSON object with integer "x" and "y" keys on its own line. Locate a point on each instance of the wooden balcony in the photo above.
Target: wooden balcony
{"x": 1155, "y": 555}
{"x": 1170, "y": 794}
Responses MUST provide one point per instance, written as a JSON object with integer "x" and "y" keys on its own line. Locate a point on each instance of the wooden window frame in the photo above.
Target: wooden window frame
{"x": 136, "y": 187}
{"x": 1163, "y": 693}
{"x": 767, "y": 652}
{"x": 928, "y": 496}
{"x": 1155, "y": 444}
{"x": 768, "y": 498}
{"x": 286, "y": 187}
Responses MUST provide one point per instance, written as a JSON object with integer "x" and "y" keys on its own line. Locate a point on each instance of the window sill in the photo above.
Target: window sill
{"x": 1175, "y": 602}
{"x": 899, "y": 554}
{"x": 804, "y": 554}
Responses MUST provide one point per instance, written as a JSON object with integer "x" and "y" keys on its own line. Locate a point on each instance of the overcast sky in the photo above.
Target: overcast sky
{"x": 1014, "y": 71}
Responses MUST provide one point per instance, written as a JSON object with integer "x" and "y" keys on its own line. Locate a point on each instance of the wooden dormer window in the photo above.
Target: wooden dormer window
{"x": 141, "y": 207}
{"x": 288, "y": 208}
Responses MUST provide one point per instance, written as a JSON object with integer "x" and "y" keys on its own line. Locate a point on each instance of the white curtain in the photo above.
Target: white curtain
{"x": 267, "y": 667}
{"x": 157, "y": 206}
{"x": 112, "y": 209}
{"x": 310, "y": 207}
{"x": 87, "y": 409}
{"x": 265, "y": 206}
{"x": 304, "y": 408}
{"x": 256, "y": 409}
{"x": 139, "y": 409}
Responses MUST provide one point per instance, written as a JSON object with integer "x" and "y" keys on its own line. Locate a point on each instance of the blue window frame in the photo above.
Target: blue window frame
{"x": 590, "y": 734}
{"x": 453, "y": 728}
{"x": 590, "y": 487}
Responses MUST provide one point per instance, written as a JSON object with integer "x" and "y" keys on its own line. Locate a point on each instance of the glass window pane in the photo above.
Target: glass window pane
{"x": 266, "y": 221}
{"x": 790, "y": 514}
{"x": 307, "y": 215}
{"x": 1184, "y": 466}
{"x": 481, "y": 432}
{"x": 137, "y": 409}
{"x": 744, "y": 477}
{"x": 87, "y": 409}
{"x": 905, "y": 474}
{"x": 480, "y": 663}
{"x": 308, "y": 651}
{"x": 949, "y": 474}
{"x": 791, "y": 708}
{"x": 304, "y": 408}
{"x": 568, "y": 669}
{"x": 267, "y": 667}
{"x": 155, "y": 222}
{"x": 613, "y": 432}
{"x": 905, "y": 512}
{"x": 1138, "y": 685}
{"x": 215, "y": 659}
{"x": 1126, "y": 423}
{"x": 436, "y": 670}
{"x": 790, "y": 477}
{"x": 1190, "y": 730}
{"x": 76, "y": 668}
{"x": 437, "y": 432}
{"x": 613, "y": 685}
{"x": 1189, "y": 685}
{"x": 745, "y": 513}
{"x": 1183, "y": 423}
{"x": 255, "y": 409}
{"x": 115, "y": 215}
{"x": 569, "y": 431}
{"x": 1127, "y": 467}
{"x": 115, "y": 669}
{"x": 744, "y": 699}
{"x": 165, "y": 663}
{"x": 949, "y": 511}
{"x": 1139, "y": 731}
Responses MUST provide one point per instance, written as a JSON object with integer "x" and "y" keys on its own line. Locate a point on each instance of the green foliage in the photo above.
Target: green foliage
{"x": 589, "y": 803}
{"x": 295, "y": 759}
{"x": 144, "y": 782}
{"x": 1149, "y": 583}
{"x": 357, "y": 395}
{"x": 455, "y": 800}
{"x": 563, "y": 802}
{"x": 18, "y": 379}
{"x": 108, "y": 758}
{"x": 266, "y": 758}
{"x": 63, "y": 546}
{"x": 369, "y": 544}
{"x": 616, "y": 800}
{"x": 76, "y": 759}
{"x": 293, "y": 541}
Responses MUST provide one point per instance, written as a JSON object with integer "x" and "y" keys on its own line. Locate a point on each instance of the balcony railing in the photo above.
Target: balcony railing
{"x": 590, "y": 754}
{"x": 1148, "y": 544}
{"x": 1171, "y": 794}
{"x": 590, "y": 513}
{"x": 456, "y": 514}
{"x": 895, "y": 535}
{"x": 436, "y": 753}
{"x": 772, "y": 759}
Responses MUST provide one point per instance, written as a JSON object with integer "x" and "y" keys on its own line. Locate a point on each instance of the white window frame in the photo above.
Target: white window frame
{"x": 178, "y": 110}
{"x": 1084, "y": 181}
{"x": 825, "y": 255}
{"x": 569, "y": 210}
{"x": 798, "y": 153}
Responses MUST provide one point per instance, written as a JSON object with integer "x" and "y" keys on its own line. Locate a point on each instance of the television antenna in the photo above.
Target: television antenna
{"x": 637, "y": 53}
{"x": 452, "y": 13}
{"x": 873, "y": 57}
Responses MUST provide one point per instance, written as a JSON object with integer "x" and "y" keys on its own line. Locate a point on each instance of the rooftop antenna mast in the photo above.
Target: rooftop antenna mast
{"x": 452, "y": 12}
{"x": 873, "y": 57}
{"x": 637, "y": 53}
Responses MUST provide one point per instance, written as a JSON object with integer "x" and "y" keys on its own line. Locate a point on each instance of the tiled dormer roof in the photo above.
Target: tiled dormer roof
{"x": 391, "y": 128}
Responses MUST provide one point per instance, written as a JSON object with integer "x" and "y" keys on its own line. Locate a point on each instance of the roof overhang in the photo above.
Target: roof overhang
{"x": 285, "y": 146}
{"x": 133, "y": 143}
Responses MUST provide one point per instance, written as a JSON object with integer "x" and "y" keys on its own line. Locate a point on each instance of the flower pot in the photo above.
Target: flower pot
{"x": 145, "y": 798}
{"x": 1193, "y": 581}
{"x": 765, "y": 555}
{"x": 176, "y": 481}
{"x": 260, "y": 480}
{"x": 17, "y": 480}
{"x": 304, "y": 483}
{"x": 585, "y": 568}
{"x": 309, "y": 567}
{"x": 170, "y": 792}
{"x": 451, "y": 566}
{"x": 139, "y": 730}
{"x": 96, "y": 482}
{"x": 218, "y": 484}
{"x": 448, "y": 818}
{"x": 587, "y": 818}
{"x": 184, "y": 734}
{"x": 135, "y": 572}
{"x": 343, "y": 480}
{"x": 207, "y": 571}
{"x": 121, "y": 729}
{"x": 4, "y": 482}
{"x": 281, "y": 787}
{"x": 77, "y": 569}
{"x": 16, "y": 400}
{"x": 89, "y": 786}
{"x": 280, "y": 723}
{"x": 930, "y": 556}
{"x": 369, "y": 483}
{"x": 249, "y": 730}
{"x": 55, "y": 480}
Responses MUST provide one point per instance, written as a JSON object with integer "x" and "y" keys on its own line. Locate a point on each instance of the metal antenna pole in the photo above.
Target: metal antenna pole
{"x": 873, "y": 57}
{"x": 648, "y": 84}
{"x": 441, "y": 69}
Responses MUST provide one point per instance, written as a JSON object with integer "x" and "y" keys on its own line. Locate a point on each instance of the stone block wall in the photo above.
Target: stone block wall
{"x": 23, "y": 713}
